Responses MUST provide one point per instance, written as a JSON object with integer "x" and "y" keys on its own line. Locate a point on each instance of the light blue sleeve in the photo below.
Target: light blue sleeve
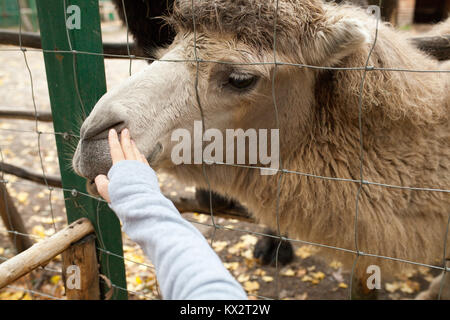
{"x": 186, "y": 266}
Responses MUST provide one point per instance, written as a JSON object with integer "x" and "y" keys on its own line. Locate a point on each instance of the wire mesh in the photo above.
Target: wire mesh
{"x": 361, "y": 182}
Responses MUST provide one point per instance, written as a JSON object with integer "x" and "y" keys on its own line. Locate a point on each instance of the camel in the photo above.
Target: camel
{"x": 401, "y": 119}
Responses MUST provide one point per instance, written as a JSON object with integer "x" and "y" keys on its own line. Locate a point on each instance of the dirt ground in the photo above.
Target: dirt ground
{"x": 308, "y": 277}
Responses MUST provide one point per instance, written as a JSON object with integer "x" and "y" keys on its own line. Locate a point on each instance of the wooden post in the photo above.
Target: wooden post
{"x": 80, "y": 260}
{"x": 12, "y": 220}
{"x": 42, "y": 252}
{"x": 75, "y": 83}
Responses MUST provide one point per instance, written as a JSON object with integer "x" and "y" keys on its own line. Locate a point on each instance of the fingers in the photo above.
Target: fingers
{"x": 114, "y": 147}
{"x": 127, "y": 147}
{"x": 102, "y": 183}
{"x": 137, "y": 153}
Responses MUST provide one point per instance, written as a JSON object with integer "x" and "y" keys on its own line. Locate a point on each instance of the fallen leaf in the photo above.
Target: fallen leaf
{"x": 343, "y": 285}
{"x": 336, "y": 264}
{"x": 55, "y": 279}
{"x": 219, "y": 245}
{"x": 231, "y": 265}
{"x": 409, "y": 287}
{"x": 305, "y": 251}
{"x": 249, "y": 239}
{"x": 392, "y": 287}
{"x": 287, "y": 272}
{"x": 301, "y": 272}
{"x": 267, "y": 278}
{"x": 251, "y": 286}
{"x": 260, "y": 272}
{"x": 243, "y": 278}
{"x": 22, "y": 197}
{"x": 38, "y": 231}
{"x": 318, "y": 275}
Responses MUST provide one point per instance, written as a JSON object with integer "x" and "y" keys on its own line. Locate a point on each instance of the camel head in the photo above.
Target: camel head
{"x": 238, "y": 91}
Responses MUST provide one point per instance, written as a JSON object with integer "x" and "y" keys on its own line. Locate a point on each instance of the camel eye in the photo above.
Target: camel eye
{"x": 242, "y": 81}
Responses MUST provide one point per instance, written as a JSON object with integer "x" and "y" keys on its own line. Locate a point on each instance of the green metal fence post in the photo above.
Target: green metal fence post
{"x": 73, "y": 77}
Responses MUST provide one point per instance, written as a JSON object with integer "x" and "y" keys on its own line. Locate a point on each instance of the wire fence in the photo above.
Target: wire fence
{"x": 360, "y": 182}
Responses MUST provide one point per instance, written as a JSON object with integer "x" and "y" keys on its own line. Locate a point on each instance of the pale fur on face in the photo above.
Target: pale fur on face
{"x": 405, "y": 122}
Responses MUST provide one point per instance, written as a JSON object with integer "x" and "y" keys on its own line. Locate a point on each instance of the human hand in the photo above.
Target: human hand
{"x": 125, "y": 149}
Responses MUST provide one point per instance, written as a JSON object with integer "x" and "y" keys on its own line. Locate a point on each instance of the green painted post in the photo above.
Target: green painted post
{"x": 89, "y": 73}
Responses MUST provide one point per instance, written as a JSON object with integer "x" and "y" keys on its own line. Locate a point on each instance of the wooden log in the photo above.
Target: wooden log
{"x": 24, "y": 114}
{"x": 13, "y": 221}
{"x": 33, "y": 40}
{"x": 52, "y": 181}
{"x": 437, "y": 48}
{"x": 42, "y": 252}
{"x": 80, "y": 270}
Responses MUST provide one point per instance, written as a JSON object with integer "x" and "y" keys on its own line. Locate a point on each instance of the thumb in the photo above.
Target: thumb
{"x": 102, "y": 183}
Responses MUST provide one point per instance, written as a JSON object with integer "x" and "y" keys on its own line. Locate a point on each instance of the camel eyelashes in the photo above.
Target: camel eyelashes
{"x": 242, "y": 81}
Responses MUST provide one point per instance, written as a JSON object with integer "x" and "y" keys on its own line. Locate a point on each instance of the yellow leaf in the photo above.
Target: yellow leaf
{"x": 318, "y": 275}
{"x": 301, "y": 272}
{"x": 287, "y": 272}
{"x": 335, "y": 264}
{"x": 22, "y": 197}
{"x": 267, "y": 278}
{"x": 138, "y": 280}
{"x": 251, "y": 286}
{"x": 243, "y": 278}
{"x": 38, "y": 231}
{"x": 249, "y": 239}
{"x": 342, "y": 285}
{"x": 26, "y": 297}
{"x": 2, "y": 250}
{"x": 231, "y": 265}
{"x": 306, "y": 251}
{"x": 259, "y": 272}
{"x": 392, "y": 287}
{"x": 236, "y": 249}
{"x": 248, "y": 254}
{"x": 410, "y": 287}
{"x": 219, "y": 245}
{"x": 55, "y": 279}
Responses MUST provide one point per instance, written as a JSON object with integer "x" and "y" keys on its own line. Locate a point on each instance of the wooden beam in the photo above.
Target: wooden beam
{"x": 42, "y": 252}
{"x": 13, "y": 221}
{"x": 80, "y": 270}
{"x": 437, "y": 47}
{"x": 52, "y": 181}
{"x": 33, "y": 40}
{"x": 24, "y": 114}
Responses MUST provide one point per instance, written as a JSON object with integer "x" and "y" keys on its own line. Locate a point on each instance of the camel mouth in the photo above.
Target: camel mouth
{"x": 92, "y": 158}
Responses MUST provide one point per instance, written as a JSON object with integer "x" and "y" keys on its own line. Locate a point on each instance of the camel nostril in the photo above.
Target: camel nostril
{"x": 102, "y": 132}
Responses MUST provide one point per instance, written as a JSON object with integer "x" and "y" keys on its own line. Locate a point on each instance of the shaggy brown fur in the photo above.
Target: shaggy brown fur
{"x": 405, "y": 130}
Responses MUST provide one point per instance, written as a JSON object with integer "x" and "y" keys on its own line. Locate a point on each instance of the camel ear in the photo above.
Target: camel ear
{"x": 336, "y": 41}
